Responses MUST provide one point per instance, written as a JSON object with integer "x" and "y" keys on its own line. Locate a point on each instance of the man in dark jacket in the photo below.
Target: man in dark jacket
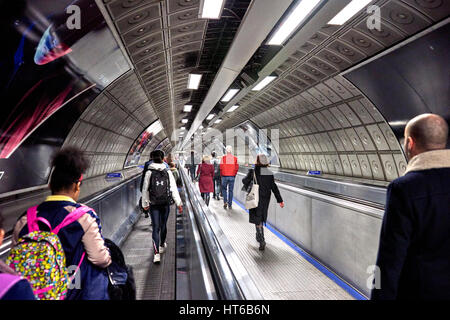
{"x": 414, "y": 250}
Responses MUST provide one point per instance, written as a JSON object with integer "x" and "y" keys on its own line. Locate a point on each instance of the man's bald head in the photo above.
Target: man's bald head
{"x": 428, "y": 132}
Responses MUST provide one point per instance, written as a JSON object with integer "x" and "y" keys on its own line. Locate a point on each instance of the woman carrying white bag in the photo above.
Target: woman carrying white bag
{"x": 259, "y": 183}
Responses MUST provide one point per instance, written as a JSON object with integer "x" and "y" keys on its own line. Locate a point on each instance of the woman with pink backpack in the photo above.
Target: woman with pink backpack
{"x": 73, "y": 230}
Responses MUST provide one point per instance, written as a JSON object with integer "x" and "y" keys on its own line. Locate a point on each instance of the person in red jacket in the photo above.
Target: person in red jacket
{"x": 205, "y": 172}
{"x": 228, "y": 170}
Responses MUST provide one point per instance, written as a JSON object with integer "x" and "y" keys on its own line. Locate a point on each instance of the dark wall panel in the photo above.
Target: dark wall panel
{"x": 411, "y": 80}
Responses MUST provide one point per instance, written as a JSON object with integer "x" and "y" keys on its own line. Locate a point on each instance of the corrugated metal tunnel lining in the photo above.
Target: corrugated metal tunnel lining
{"x": 325, "y": 122}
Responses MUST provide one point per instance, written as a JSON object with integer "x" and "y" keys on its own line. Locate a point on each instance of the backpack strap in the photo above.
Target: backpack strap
{"x": 32, "y": 219}
{"x": 72, "y": 217}
{"x": 7, "y": 281}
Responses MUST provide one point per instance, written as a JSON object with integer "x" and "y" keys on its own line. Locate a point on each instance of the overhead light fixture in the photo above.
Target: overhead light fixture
{"x": 187, "y": 108}
{"x": 264, "y": 83}
{"x": 291, "y": 23}
{"x": 210, "y": 116}
{"x": 182, "y": 128}
{"x": 229, "y": 95}
{"x": 184, "y": 121}
{"x": 211, "y": 9}
{"x": 201, "y": 127}
{"x": 349, "y": 11}
{"x": 233, "y": 108}
{"x": 218, "y": 121}
{"x": 194, "y": 81}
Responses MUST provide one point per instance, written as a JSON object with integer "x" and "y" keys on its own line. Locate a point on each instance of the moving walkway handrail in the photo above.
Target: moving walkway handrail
{"x": 231, "y": 278}
{"x": 88, "y": 200}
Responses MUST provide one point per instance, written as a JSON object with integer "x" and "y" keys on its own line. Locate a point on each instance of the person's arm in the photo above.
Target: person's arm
{"x": 175, "y": 193}
{"x": 276, "y": 191}
{"x": 248, "y": 178}
{"x": 236, "y": 166}
{"x": 145, "y": 193}
{"x": 395, "y": 237}
{"x": 93, "y": 243}
{"x": 221, "y": 166}
{"x": 20, "y": 224}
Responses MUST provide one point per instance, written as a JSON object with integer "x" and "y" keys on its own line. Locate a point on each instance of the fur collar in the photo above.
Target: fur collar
{"x": 429, "y": 160}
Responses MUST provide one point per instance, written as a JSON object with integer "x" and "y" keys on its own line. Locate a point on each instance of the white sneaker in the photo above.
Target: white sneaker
{"x": 163, "y": 248}
{"x": 157, "y": 258}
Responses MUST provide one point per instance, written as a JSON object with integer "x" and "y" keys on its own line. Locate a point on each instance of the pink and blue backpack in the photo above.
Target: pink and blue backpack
{"x": 39, "y": 257}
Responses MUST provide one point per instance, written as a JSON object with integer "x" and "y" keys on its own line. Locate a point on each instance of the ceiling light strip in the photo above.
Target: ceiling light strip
{"x": 291, "y": 23}
{"x": 211, "y": 9}
{"x": 349, "y": 11}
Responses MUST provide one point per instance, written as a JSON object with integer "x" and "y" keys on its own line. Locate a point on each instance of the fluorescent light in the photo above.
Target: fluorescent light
{"x": 184, "y": 121}
{"x": 229, "y": 95}
{"x": 187, "y": 108}
{"x": 194, "y": 81}
{"x": 182, "y": 128}
{"x": 233, "y": 108}
{"x": 349, "y": 11}
{"x": 295, "y": 18}
{"x": 210, "y": 116}
{"x": 201, "y": 127}
{"x": 264, "y": 83}
{"x": 218, "y": 121}
{"x": 212, "y": 9}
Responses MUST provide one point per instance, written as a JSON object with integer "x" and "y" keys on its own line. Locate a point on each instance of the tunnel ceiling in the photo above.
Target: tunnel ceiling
{"x": 166, "y": 41}
{"x": 325, "y": 122}
{"x": 110, "y": 125}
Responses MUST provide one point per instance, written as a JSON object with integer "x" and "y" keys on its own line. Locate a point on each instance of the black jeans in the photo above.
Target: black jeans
{"x": 159, "y": 215}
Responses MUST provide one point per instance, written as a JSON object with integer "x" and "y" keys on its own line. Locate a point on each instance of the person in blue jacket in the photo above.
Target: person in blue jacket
{"x": 12, "y": 286}
{"x": 81, "y": 236}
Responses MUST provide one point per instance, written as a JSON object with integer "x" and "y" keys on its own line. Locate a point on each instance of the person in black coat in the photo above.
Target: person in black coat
{"x": 266, "y": 182}
{"x": 414, "y": 252}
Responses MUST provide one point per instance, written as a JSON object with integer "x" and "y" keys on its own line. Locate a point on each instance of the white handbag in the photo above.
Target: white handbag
{"x": 252, "y": 198}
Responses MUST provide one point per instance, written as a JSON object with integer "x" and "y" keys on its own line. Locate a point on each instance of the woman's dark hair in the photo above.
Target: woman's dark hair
{"x": 68, "y": 165}
{"x": 172, "y": 165}
{"x": 262, "y": 161}
{"x": 157, "y": 156}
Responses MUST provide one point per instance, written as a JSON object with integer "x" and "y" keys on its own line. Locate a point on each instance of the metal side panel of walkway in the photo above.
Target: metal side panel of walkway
{"x": 279, "y": 271}
{"x": 153, "y": 281}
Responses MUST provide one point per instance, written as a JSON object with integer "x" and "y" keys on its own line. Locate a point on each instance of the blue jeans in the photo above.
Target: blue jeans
{"x": 227, "y": 189}
{"x": 159, "y": 215}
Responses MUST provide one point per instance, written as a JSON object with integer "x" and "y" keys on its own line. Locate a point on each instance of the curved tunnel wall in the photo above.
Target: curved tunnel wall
{"x": 111, "y": 124}
{"x": 325, "y": 122}
{"x": 334, "y": 128}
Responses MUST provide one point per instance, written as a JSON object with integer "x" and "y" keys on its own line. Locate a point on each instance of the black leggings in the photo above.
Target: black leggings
{"x": 206, "y": 196}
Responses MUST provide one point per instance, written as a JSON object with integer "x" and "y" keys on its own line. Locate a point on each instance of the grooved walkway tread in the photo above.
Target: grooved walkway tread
{"x": 279, "y": 272}
{"x": 153, "y": 282}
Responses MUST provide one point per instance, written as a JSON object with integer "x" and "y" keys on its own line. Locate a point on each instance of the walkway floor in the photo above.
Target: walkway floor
{"x": 153, "y": 281}
{"x": 279, "y": 271}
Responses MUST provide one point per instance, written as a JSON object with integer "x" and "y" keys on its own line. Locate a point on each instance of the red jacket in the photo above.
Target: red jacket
{"x": 229, "y": 166}
{"x": 205, "y": 182}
